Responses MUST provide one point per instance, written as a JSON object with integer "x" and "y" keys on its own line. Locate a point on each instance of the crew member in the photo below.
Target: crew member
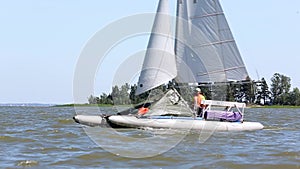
{"x": 198, "y": 106}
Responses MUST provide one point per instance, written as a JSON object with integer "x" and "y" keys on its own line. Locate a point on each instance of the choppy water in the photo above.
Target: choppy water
{"x": 47, "y": 137}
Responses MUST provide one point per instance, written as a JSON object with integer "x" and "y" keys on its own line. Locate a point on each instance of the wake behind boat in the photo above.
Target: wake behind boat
{"x": 202, "y": 51}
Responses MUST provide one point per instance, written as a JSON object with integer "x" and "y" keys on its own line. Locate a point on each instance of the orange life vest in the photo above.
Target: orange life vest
{"x": 200, "y": 97}
{"x": 143, "y": 110}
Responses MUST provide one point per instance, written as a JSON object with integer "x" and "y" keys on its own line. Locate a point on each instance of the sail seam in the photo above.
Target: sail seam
{"x": 208, "y": 15}
{"x": 218, "y": 71}
{"x": 214, "y": 43}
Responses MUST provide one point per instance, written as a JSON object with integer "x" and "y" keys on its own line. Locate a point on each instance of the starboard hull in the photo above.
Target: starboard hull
{"x": 183, "y": 123}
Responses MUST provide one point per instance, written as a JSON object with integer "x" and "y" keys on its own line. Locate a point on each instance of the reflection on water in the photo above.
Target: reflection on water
{"x": 47, "y": 136}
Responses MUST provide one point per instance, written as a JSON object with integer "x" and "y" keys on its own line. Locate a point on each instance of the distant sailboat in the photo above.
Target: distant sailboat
{"x": 205, "y": 51}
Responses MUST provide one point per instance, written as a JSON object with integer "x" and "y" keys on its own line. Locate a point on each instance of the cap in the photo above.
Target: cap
{"x": 198, "y": 89}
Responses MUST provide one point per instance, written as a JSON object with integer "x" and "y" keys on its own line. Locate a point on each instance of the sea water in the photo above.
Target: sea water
{"x": 47, "y": 137}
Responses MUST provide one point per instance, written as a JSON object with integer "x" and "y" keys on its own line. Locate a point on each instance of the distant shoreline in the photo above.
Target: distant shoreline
{"x": 84, "y": 105}
{"x": 26, "y": 105}
{"x": 275, "y": 106}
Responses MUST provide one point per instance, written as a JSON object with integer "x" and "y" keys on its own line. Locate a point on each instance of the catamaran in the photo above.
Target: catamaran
{"x": 202, "y": 51}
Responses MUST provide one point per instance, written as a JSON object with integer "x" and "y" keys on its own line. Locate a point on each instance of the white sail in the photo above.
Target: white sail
{"x": 205, "y": 44}
{"x": 159, "y": 64}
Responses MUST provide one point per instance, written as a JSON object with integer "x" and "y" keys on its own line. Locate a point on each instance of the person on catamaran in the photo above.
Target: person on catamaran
{"x": 198, "y": 98}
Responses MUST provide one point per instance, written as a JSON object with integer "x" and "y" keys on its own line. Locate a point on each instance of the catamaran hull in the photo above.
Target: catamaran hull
{"x": 128, "y": 121}
{"x": 90, "y": 120}
{"x": 183, "y": 123}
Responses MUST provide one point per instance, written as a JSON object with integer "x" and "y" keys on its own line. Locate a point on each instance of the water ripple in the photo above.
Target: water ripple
{"x": 28, "y": 163}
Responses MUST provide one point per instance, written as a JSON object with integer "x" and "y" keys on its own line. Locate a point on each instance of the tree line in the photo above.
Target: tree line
{"x": 248, "y": 91}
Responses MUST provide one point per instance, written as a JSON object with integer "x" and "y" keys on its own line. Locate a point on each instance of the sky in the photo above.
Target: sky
{"x": 41, "y": 42}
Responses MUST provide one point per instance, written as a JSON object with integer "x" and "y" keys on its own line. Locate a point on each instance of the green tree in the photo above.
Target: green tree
{"x": 258, "y": 92}
{"x": 294, "y": 97}
{"x": 124, "y": 94}
{"x": 105, "y": 99}
{"x": 266, "y": 94}
{"x": 263, "y": 95}
{"x": 121, "y": 95}
{"x": 115, "y": 95}
{"x": 247, "y": 90}
{"x": 135, "y": 99}
{"x": 92, "y": 99}
{"x": 280, "y": 88}
{"x": 132, "y": 96}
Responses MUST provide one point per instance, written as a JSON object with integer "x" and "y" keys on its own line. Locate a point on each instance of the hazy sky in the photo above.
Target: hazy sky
{"x": 41, "y": 41}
